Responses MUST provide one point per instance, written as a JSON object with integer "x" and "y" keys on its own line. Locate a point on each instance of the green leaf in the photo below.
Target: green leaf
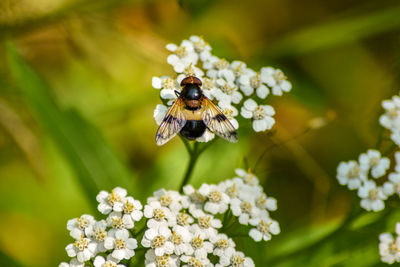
{"x": 6, "y": 260}
{"x": 94, "y": 163}
{"x": 340, "y": 31}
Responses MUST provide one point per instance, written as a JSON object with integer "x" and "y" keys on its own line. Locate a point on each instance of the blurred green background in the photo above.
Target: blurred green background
{"x": 76, "y": 113}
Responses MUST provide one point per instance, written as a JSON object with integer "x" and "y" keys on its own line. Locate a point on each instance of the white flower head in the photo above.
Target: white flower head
{"x": 152, "y": 260}
{"x": 100, "y": 261}
{"x": 122, "y": 246}
{"x": 252, "y": 81}
{"x": 373, "y": 161}
{"x": 227, "y": 92}
{"x": 132, "y": 211}
{"x": 201, "y": 47}
{"x": 200, "y": 246}
{"x": 238, "y": 258}
{"x": 180, "y": 238}
{"x": 261, "y": 115}
{"x": 119, "y": 222}
{"x": 276, "y": 80}
{"x": 248, "y": 176}
{"x": 191, "y": 261}
{"x": 350, "y": 174}
{"x": 206, "y": 224}
{"x": 158, "y": 239}
{"x": 113, "y": 201}
{"x": 183, "y": 56}
{"x": 245, "y": 210}
{"x": 389, "y": 248}
{"x": 372, "y": 196}
{"x": 81, "y": 226}
{"x": 393, "y": 185}
{"x": 222, "y": 245}
{"x": 167, "y": 198}
{"x": 217, "y": 201}
{"x": 99, "y": 235}
{"x": 83, "y": 249}
{"x": 73, "y": 263}
{"x": 391, "y": 118}
{"x": 266, "y": 227}
{"x": 158, "y": 215}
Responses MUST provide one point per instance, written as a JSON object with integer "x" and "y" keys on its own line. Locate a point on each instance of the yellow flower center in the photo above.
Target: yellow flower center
{"x": 165, "y": 200}
{"x": 158, "y": 241}
{"x": 200, "y": 45}
{"x": 129, "y": 207}
{"x": 193, "y": 262}
{"x": 113, "y": 197}
{"x": 208, "y": 83}
{"x": 176, "y": 238}
{"x": 261, "y": 201}
{"x": 168, "y": 83}
{"x": 227, "y": 89}
{"x": 215, "y": 196}
{"x": 162, "y": 261}
{"x": 158, "y": 214}
{"x": 246, "y": 207}
{"x": 197, "y": 242}
{"x": 181, "y": 52}
{"x": 82, "y": 243}
{"x": 222, "y": 243}
{"x": 82, "y": 223}
{"x": 264, "y": 227}
{"x": 232, "y": 191}
{"x": 205, "y": 222}
{"x": 120, "y": 243}
{"x": 239, "y": 69}
{"x": 259, "y": 113}
{"x": 109, "y": 264}
{"x": 117, "y": 223}
{"x": 221, "y": 64}
{"x": 255, "y": 81}
{"x": 100, "y": 235}
{"x": 237, "y": 261}
{"x": 279, "y": 76}
{"x": 182, "y": 219}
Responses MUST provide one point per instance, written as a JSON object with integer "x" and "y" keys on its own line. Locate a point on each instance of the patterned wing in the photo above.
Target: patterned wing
{"x": 172, "y": 123}
{"x": 217, "y": 122}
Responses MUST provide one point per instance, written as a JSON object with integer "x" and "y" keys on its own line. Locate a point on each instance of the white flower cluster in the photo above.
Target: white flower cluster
{"x": 391, "y": 118}
{"x": 389, "y": 247}
{"x": 181, "y": 233}
{"x": 232, "y": 86}
{"x": 180, "y": 229}
{"x": 111, "y": 237}
{"x": 358, "y": 174}
{"x": 371, "y": 166}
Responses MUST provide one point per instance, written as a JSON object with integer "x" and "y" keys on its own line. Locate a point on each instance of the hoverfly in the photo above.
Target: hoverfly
{"x": 192, "y": 113}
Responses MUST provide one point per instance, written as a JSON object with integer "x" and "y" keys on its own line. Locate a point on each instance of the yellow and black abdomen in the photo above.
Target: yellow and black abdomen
{"x": 194, "y": 127}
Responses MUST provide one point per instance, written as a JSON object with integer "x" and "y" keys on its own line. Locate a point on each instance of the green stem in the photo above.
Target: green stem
{"x": 194, "y": 154}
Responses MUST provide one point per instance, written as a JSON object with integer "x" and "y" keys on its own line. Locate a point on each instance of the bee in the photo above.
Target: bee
{"x": 192, "y": 114}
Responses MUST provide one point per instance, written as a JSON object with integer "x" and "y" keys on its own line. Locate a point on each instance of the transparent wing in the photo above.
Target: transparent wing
{"x": 172, "y": 123}
{"x": 217, "y": 122}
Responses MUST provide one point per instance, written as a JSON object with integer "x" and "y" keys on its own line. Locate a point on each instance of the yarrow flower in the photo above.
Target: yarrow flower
{"x": 180, "y": 229}
{"x": 369, "y": 175}
{"x": 231, "y": 85}
{"x": 389, "y": 247}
